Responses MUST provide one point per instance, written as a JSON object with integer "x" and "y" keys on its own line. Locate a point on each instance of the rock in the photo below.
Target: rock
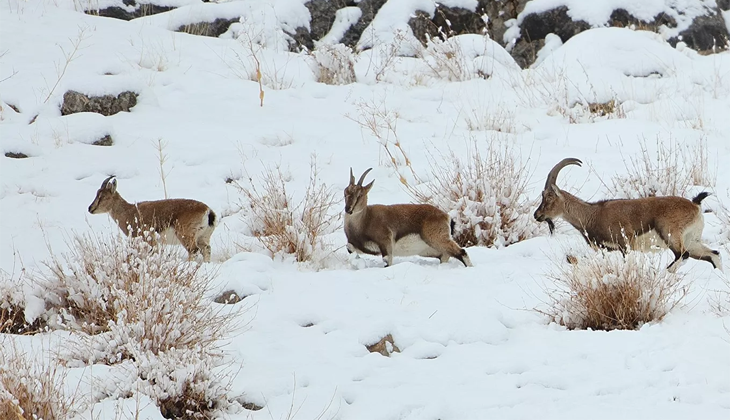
{"x": 213, "y": 29}
{"x": 620, "y": 18}
{"x": 536, "y": 26}
{"x": 446, "y": 20}
{"x": 104, "y": 141}
{"x": 229, "y": 297}
{"x": 498, "y": 13}
{"x": 706, "y": 34}
{"x": 301, "y": 38}
{"x": 106, "y": 105}
{"x": 322, "y": 14}
{"x": 123, "y": 13}
{"x": 16, "y": 155}
{"x": 369, "y": 9}
{"x": 385, "y": 346}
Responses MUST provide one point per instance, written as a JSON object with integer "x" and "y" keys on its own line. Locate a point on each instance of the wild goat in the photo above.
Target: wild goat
{"x": 185, "y": 222}
{"x": 397, "y": 230}
{"x": 673, "y": 222}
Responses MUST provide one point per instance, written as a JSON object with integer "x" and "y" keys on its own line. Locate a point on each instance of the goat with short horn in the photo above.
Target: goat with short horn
{"x": 186, "y": 222}
{"x": 397, "y": 230}
{"x": 622, "y": 224}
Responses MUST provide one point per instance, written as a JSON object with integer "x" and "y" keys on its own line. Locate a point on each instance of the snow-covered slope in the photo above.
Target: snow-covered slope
{"x": 471, "y": 346}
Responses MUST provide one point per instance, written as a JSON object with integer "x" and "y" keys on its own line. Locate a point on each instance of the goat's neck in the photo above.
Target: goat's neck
{"x": 580, "y": 214}
{"x": 354, "y": 221}
{"x": 125, "y": 214}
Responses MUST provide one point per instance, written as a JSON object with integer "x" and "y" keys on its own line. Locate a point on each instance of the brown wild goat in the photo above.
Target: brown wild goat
{"x": 189, "y": 223}
{"x": 673, "y": 222}
{"x": 397, "y": 230}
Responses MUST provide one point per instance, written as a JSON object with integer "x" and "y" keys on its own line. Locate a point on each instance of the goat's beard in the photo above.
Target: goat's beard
{"x": 551, "y": 225}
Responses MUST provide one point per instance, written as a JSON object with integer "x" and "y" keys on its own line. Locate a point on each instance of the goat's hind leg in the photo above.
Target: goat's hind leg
{"x": 443, "y": 243}
{"x": 703, "y": 253}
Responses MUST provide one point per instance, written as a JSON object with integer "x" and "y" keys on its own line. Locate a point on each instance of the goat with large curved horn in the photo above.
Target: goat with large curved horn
{"x": 671, "y": 222}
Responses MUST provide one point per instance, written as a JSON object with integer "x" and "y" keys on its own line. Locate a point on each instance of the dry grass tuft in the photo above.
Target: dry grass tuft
{"x": 671, "y": 170}
{"x": 334, "y": 64}
{"x": 29, "y": 389}
{"x": 285, "y": 227}
{"x": 12, "y": 308}
{"x": 484, "y": 193}
{"x": 132, "y": 292}
{"x": 607, "y": 291}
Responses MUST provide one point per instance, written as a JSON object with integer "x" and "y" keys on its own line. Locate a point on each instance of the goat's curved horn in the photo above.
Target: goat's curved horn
{"x": 553, "y": 175}
{"x": 352, "y": 177}
{"x": 106, "y": 181}
{"x": 362, "y": 178}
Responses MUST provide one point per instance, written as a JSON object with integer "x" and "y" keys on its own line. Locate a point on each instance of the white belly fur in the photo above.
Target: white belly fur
{"x": 168, "y": 237}
{"x": 406, "y": 246}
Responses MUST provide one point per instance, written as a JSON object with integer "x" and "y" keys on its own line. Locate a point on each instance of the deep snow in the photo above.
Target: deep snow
{"x": 471, "y": 345}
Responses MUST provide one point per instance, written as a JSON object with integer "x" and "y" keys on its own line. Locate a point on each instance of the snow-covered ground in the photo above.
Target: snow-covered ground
{"x": 471, "y": 345}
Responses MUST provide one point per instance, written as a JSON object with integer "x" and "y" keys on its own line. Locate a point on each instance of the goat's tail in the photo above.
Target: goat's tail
{"x": 211, "y": 218}
{"x": 701, "y": 196}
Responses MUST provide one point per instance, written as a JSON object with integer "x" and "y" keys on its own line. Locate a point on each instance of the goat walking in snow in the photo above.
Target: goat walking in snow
{"x": 397, "y": 230}
{"x": 673, "y": 222}
{"x": 189, "y": 223}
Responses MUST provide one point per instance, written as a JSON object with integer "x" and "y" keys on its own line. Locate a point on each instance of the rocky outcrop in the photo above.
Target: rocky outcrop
{"x": 212, "y": 29}
{"x": 706, "y": 34}
{"x": 322, "y": 16}
{"x": 369, "y": 9}
{"x": 106, "y": 105}
{"x": 446, "y": 21}
{"x": 132, "y": 10}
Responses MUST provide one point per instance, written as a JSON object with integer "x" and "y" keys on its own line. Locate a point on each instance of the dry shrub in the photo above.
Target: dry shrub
{"x": 133, "y": 295}
{"x": 484, "y": 193}
{"x": 334, "y": 64}
{"x": 32, "y": 389}
{"x": 285, "y": 227}
{"x": 447, "y": 60}
{"x": 145, "y": 307}
{"x": 13, "y": 306}
{"x": 498, "y": 118}
{"x": 607, "y": 291}
{"x": 671, "y": 171}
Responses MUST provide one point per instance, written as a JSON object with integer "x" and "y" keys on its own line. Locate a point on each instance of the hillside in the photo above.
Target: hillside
{"x": 255, "y": 107}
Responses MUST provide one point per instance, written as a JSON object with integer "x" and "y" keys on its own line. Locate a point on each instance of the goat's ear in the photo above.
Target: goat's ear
{"x": 366, "y": 188}
{"x": 352, "y": 177}
{"x": 112, "y": 185}
{"x": 557, "y": 191}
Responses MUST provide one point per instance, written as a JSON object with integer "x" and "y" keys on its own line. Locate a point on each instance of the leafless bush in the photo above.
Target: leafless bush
{"x": 670, "y": 171}
{"x": 334, "y": 64}
{"x": 447, "y": 61}
{"x": 484, "y": 193}
{"x": 131, "y": 294}
{"x": 32, "y": 389}
{"x": 607, "y": 291}
{"x": 284, "y": 226}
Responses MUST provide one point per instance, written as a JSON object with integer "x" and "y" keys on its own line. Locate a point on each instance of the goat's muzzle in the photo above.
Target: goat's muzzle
{"x": 539, "y": 217}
